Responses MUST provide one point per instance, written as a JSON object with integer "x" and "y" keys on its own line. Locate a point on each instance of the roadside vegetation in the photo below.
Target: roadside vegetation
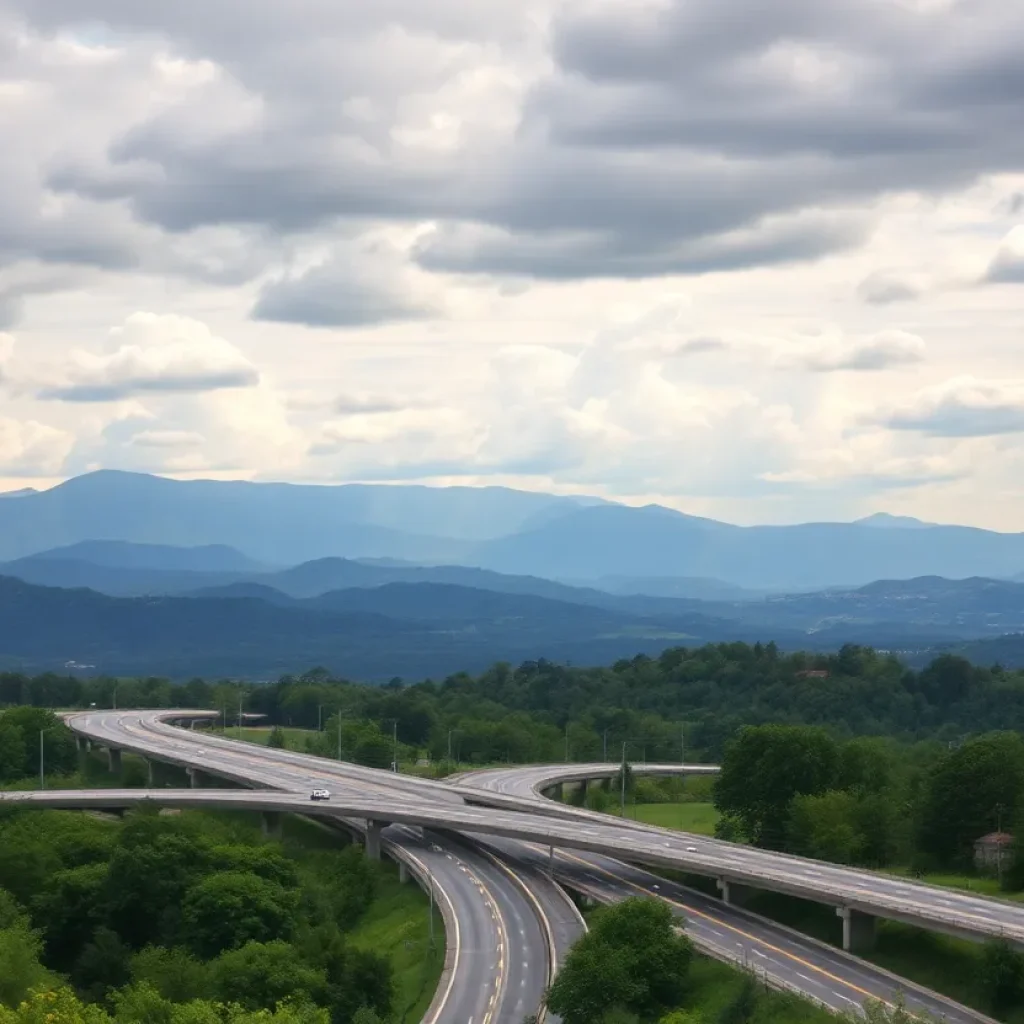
{"x": 634, "y": 966}
{"x": 195, "y": 918}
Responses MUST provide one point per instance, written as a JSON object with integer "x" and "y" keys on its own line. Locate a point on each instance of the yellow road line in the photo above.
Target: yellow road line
{"x": 731, "y": 927}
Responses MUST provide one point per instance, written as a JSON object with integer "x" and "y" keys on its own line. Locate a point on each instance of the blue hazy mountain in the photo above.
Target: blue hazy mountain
{"x": 219, "y": 558}
{"x": 282, "y": 524}
{"x": 654, "y": 541}
{"x": 510, "y": 532}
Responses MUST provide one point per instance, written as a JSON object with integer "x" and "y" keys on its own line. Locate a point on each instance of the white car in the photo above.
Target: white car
{"x": 320, "y": 794}
{"x": 691, "y": 849}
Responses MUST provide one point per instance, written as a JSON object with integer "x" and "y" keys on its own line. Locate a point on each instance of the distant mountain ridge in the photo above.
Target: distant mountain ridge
{"x": 515, "y": 533}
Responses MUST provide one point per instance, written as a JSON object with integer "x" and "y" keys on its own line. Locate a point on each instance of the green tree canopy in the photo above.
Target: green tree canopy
{"x": 764, "y": 768}
{"x": 632, "y": 958}
{"x": 227, "y": 909}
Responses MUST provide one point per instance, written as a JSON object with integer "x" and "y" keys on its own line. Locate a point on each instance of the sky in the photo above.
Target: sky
{"x": 762, "y": 262}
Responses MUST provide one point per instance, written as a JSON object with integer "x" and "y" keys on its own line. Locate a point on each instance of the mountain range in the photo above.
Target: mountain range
{"x": 578, "y": 539}
{"x": 228, "y": 615}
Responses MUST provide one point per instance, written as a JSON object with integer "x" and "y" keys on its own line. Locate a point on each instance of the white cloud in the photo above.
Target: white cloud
{"x": 882, "y": 288}
{"x": 576, "y": 246}
{"x": 1007, "y": 267}
{"x": 31, "y": 449}
{"x": 962, "y": 407}
{"x": 881, "y": 351}
{"x": 154, "y": 353}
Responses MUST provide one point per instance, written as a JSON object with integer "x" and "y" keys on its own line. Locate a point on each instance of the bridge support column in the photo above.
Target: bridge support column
{"x": 82, "y": 744}
{"x": 858, "y": 929}
{"x": 558, "y": 792}
{"x": 403, "y": 872}
{"x": 606, "y": 784}
{"x": 197, "y": 778}
{"x": 733, "y": 892}
{"x": 373, "y": 839}
{"x": 270, "y": 824}
{"x": 114, "y": 760}
{"x": 150, "y": 774}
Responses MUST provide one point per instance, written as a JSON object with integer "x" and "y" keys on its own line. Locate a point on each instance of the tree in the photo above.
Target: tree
{"x": 825, "y": 827}
{"x": 53, "y": 1006}
{"x": 20, "y": 969}
{"x": 227, "y": 909}
{"x": 1001, "y": 976}
{"x": 175, "y": 973}
{"x": 262, "y": 974}
{"x": 764, "y": 768}
{"x": 103, "y": 965}
{"x": 631, "y": 959}
{"x": 277, "y": 739}
{"x": 70, "y": 909}
{"x": 968, "y": 792}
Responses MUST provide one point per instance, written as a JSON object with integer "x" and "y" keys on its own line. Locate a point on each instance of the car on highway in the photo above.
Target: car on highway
{"x": 320, "y": 794}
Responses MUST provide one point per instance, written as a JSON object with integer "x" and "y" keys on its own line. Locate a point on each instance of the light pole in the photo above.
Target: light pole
{"x": 394, "y": 742}
{"x": 622, "y": 810}
{"x": 604, "y": 752}
{"x": 566, "y": 742}
{"x": 240, "y": 699}
{"x": 339, "y": 733}
{"x": 319, "y": 718}
{"x": 682, "y": 743}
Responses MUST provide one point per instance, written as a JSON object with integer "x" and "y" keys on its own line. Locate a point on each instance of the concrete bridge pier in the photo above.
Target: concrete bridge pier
{"x": 197, "y": 778}
{"x": 270, "y": 824}
{"x": 82, "y": 744}
{"x": 403, "y": 872}
{"x": 114, "y": 760}
{"x": 734, "y": 893}
{"x": 858, "y": 929}
{"x": 373, "y": 839}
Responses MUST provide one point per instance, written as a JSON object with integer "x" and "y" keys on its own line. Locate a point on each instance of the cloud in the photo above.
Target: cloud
{"x": 358, "y": 285}
{"x": 31, "y": 449}
{"x": 1007, "y": 267}
{"x": 879, "y": 352}
{"x": 154, "y": 354}
{"x": 961, "y": 407}
{"x": 6, "y": 351}
{"x": 369, "y": 404}
{"x": 883, "y": 288}
{"x": 546, "y": 140}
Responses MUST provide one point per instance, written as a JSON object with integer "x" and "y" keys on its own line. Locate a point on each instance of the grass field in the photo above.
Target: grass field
{"x": 294, "y": 738}
{"x": 397, "y": 926}
{"x": 687, "y": 817}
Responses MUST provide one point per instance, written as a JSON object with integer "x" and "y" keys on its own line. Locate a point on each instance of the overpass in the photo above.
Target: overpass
{"x": 588, "y": 850}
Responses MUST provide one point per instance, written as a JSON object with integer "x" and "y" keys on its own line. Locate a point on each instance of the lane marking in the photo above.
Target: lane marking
{"x": 738, "y": 931}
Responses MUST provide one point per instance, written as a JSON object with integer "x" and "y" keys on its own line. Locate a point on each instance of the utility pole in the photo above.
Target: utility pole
{"x": 394, "y": 737}
{"x": 449, "y": 748}
{"x": 430, "y": 887}
{"x": 114, "y": 701}
{"x": 623, "y": 806}
{"x": 339, "y": 733}
{"x": 319, "y": 718}
{"x": 604, "y": 751}
{"x": 42, "y": 772}
{"x": 240, "y": 699}
{"x": 682, "y": 743}
{"x": 566, "y": 742}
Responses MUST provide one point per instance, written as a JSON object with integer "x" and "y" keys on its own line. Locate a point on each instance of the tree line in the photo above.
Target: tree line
{"x": 871, "y": 801}
{"x": 687, "y": 702}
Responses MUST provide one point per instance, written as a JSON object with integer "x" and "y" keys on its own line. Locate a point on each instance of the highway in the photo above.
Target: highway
{"x": 586, "y": 860}
{"x": 489, "y": 911}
